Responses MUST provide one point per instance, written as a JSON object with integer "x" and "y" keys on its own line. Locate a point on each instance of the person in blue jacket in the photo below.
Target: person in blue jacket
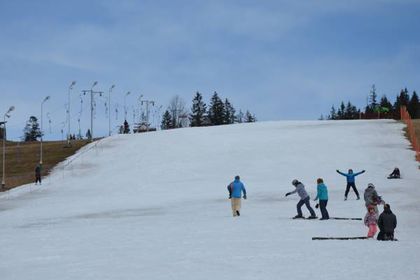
{"x": 322, "y": 195}
{"x": 351, "y": 182}
{"x": 236, "y": 188}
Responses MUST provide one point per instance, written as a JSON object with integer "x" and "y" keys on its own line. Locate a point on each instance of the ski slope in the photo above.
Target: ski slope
{"x": 154, "y": 206}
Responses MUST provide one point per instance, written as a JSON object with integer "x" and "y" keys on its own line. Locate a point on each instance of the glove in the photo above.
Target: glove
{"x": 230, "y": 196}
{"x": 337, "y": 170}
{"x": 244, "y": 196}
{"x": 287, "y": 194}
{"x": 317, "y": 206}
{"x": 363, "y": 171}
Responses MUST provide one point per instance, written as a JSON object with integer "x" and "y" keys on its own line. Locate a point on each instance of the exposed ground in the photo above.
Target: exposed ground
{"x": 22, "y": 158}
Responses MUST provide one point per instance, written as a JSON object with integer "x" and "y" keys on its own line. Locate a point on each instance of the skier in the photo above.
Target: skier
{"x": 235, "y": 189}
{"x": 372, "y": 198}
{"x": 387, "y": 223}
{"x": 38, "y": 174}
{"x": 304, "y": 199}
{"x": 351, "y": 182}
{"x": 395, "y": 174}
{"x": 322, "y": 195}
{"x": 371, "y": 220}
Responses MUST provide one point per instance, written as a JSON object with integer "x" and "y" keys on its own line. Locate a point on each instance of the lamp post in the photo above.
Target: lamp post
{"x": 125, "y": 106}
{"x": 68, "y": 112}
{"x": 3, "y": 181}
{"x": 42, "y": 112}
{"x": 91, "y": 110}
{"x": 109, "y": 111}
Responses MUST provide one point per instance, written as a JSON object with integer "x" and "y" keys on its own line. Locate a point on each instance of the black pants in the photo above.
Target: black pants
{"x": 308, "y": 205}
{"x": 353, "y": 185}
{"x": 384, "y": 236}
{"x": 323, "y": 208}
{"x": 37, "y": 179}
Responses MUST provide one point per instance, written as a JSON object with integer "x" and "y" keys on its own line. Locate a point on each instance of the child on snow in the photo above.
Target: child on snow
{"x": 351, "y": 182}
{"x": 322, "y": 195}
{"x": 304, "y": 199}
{"x": 371, "y": 221}
{"x": 235, "y": 189}
{"x": 372, "y": 198}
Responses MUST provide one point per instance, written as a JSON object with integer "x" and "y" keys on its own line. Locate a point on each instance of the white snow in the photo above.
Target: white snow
{"x": 154, "y": 206}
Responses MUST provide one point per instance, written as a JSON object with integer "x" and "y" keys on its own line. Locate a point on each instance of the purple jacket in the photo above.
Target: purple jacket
{"x": 371, "y": 219}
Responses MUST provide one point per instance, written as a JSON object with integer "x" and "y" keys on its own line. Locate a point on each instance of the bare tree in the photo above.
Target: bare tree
{"x": 178, "y": 111}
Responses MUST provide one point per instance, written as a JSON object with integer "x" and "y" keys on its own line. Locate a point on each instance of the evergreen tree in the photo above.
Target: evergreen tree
{"x": 414, "y": 106}
{"x": 402, "y": 100}
{"x": 373, "y": 104}
{"x": 249, "y": 117}
{"x": 1, "y": 132}
{"x": 333, "y": 113}
{"x": 89, "y": 135}
{"x": 239, "y": 118}
{"x": 126, "y": 127}
{"x": 198, "y": 111}
{"x": 229, "y": 112}
{"x": 216, "y": 110}
{"x": 351, "y": 112}
{"x": 384, "y": 103}
{"x": 32, "y": 130}
{"x": 341, "y": 111}
{"x": 167, "y": 120}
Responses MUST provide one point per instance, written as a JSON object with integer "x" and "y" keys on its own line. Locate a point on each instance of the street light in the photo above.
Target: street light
{"x": 125, "y": 106}
{"x": 3, "y": 182}
{"x": 109, "y": 104}
{"x": 42, "y": 112}
{"x": 68, "y": 112}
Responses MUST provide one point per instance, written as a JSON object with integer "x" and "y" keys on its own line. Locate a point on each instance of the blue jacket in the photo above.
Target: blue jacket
{"x": 321, "y": 192}
{"x": 350, "y": 176}
{"x": 236, "y": 188}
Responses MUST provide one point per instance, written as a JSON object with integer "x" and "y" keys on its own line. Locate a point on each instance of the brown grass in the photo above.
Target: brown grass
{"x": 22, "y": 158}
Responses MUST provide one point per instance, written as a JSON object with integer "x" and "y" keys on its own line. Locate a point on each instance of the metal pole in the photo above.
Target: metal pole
{"x": 125, "y": 106}
{"x": 42, "y": 105}
{"x": 91, "y": 111}
{"x": 109, "y": 110}
{"x": 68, "y": 112}
{"x": 3, "y": 183}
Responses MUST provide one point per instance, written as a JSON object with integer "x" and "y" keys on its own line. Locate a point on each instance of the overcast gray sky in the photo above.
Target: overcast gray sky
{"x": 279, "y": 59}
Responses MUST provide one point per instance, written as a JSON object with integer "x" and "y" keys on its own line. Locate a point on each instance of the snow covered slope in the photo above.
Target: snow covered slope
{"x": 154, "y": 206}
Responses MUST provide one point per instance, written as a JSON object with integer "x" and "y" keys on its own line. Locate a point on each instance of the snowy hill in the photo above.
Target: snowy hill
{"x": 154, "y": 206}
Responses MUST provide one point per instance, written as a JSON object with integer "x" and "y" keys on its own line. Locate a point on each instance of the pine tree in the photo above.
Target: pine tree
{"x": 333, "y": 113}
{"x": 32, "y": 130}
{"x": 239, "y": 118}
{"x": 373, "y": 104}
{"x": 341, "y": 111}
{"x": 229, "y": 112}
{"x": 1, "y": 132}
{"x": 402, "y": 100}
{"x": 414, "y": 106}
{"x": 216, "y": 110}
{"x": 198, "y": 110}
{"x": 249, "y": 117}
{"x": 166, "y": 121}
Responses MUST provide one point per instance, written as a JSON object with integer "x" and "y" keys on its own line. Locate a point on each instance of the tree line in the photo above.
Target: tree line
{"x": 218, "y": 112}
{"x": 378, "y": 108}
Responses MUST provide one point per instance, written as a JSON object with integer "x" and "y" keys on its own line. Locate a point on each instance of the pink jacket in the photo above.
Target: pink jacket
{"x": 371, "y": 219}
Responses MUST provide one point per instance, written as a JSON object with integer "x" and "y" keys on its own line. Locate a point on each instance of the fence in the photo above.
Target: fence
{"x": 405, "y": 117}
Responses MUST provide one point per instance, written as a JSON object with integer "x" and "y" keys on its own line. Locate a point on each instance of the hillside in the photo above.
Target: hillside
{"x": 22, "y": 157}
{"x": 154, "y": 206}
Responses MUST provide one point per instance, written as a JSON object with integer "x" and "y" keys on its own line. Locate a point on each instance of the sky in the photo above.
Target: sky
{"x": 282, "y": 60}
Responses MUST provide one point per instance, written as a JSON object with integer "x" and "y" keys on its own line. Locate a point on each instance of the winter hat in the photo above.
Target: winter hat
{"x": 371, "y": 207}
{"x": 295, "y": 182}
{"x": 370, "y": 185}
{"x": 319, "y": 181}
{"x": 350, "y": 170}
{"x": 237, "y": 177}
{"x": 387, "y": 207}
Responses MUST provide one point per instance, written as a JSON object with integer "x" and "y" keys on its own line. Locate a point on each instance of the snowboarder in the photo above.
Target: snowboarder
{"x": 322, "y": 195}
{"x": 38, "y": 174}
{"x": 304, "y": 199}
{"x": 387, "y": 223}
{"x": 235, "y": 189}
{"x": 395, "y": 174}
{"x": 351, "y": 182}
{"x": 371, "y": 220}
{"x": 372, "y": 198}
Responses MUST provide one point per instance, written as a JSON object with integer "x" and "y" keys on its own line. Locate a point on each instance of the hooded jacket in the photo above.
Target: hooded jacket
{"x": 300, "y": 189}
{"x": 371, "y": 196}
{"x": 236, "y": 188}
{"x": 321, "y": 192}
{"x": 387, "y": 221}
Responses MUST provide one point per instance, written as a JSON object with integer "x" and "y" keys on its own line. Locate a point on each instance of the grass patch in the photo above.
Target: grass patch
{"x": 22, "y": 158}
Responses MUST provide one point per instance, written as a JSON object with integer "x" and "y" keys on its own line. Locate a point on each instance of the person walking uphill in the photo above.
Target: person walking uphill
{"x": 304, "y": 199}
{"x": 322, "y": 195}
{"x": 351, "y": 182}
{"x": 38, "y": 174}
{"x": 236, "y": 188}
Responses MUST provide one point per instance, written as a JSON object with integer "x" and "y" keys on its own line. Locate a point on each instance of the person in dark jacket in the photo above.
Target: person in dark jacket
{"x": 235, "y": 189}
{"x": 387, "y": 223}
{"x": 395, "y": 174}
{"x": 38, "y": 174}
{"x": 304, "y": 199}
{"x": 351, "y": 182}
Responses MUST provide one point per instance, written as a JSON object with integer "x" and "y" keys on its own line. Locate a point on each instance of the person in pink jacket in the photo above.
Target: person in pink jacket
{"x": 371, "y": 221}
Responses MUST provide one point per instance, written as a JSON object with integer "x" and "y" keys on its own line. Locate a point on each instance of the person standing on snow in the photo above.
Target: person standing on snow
{"x": 236, "y": 188}
{"x": 351, "y": 182}
{"x": 387, "y": 223}
{"x": 372, "y": 198}
{"x": 371, "y": 220}
{"x": 38, "y": 174}
{"x": 322, "y": 195}
{"x": 304, "y": 199}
